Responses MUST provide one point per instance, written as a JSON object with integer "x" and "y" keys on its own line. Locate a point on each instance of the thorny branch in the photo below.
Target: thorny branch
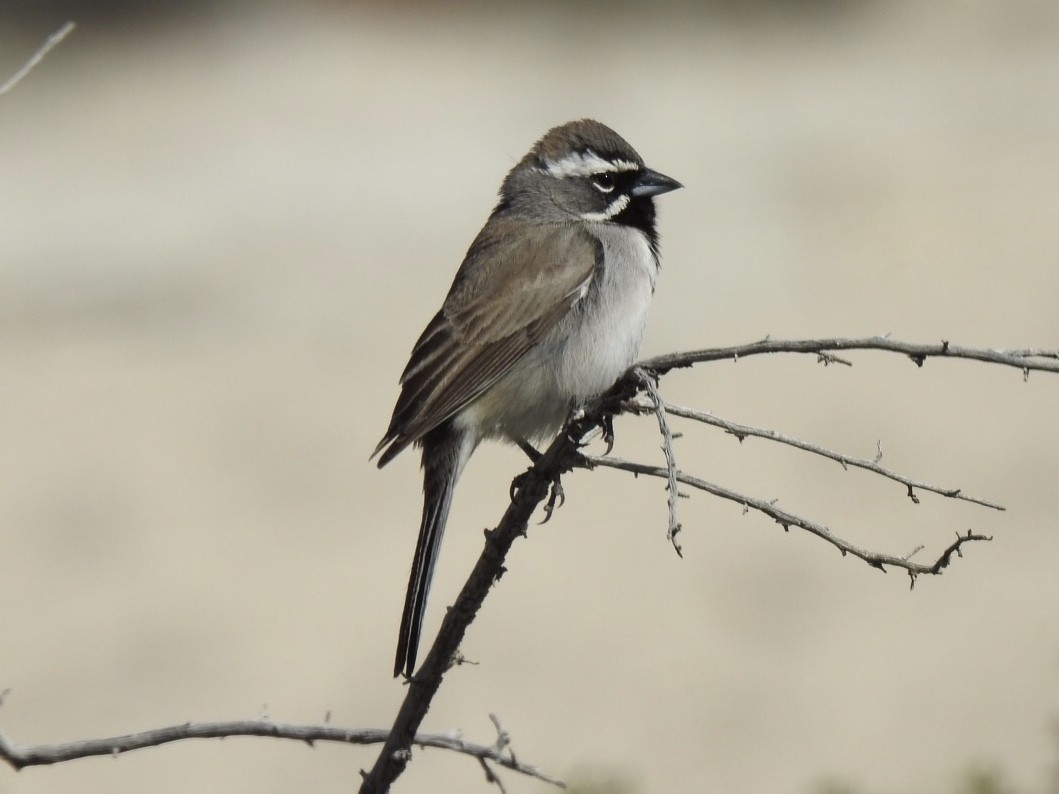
{"x": 530, "y": 489}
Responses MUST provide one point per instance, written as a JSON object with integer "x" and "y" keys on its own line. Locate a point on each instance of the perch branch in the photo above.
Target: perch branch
{"x": 531, "y": 488}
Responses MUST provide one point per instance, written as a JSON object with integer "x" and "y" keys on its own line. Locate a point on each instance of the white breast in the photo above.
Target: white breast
{"x": 605, "y": 335}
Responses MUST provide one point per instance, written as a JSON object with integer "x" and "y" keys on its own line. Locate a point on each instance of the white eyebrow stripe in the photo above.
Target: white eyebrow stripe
{"x": 585, "y": 164}
{"x": 614, "y": 208}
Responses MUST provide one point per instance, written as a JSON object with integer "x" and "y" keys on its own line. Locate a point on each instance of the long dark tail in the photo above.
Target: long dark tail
{"x": 445, "y": 451}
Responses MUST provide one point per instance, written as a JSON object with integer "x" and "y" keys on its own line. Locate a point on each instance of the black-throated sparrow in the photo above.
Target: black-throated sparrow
{"x": 546, "y": 311}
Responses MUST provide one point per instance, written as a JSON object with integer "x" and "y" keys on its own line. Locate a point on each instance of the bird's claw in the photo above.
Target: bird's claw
{"x": 607, "y": 423}
{"x": 556, "y": 498}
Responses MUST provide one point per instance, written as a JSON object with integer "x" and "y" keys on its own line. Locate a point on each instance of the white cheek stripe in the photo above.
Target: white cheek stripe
{"x": 586, "y": 164}
{"x": 614, "y": 208}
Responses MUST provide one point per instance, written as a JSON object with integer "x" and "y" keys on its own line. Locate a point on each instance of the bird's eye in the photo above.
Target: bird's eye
{"x": 604, "y": 182}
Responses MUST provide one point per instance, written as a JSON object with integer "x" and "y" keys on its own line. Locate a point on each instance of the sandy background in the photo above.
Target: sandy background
{"x": 220, "y": 235}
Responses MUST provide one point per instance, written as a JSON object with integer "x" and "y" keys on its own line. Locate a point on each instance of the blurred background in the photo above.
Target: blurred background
{"x": 221, "y": 230}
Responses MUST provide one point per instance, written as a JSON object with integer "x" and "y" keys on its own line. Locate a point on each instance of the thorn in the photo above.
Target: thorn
{"x": 672, "y": 537}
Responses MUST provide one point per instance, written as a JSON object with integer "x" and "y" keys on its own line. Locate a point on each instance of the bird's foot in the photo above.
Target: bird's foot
{"x": 556, "y": 495}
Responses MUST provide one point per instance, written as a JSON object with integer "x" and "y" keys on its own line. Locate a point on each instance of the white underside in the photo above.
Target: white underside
{"x": 583, "y": 356}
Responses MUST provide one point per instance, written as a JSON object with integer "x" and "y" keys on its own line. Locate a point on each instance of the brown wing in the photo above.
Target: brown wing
{"x": 516, "y": 282}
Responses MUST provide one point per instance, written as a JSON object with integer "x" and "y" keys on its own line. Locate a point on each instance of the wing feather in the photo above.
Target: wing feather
{"x": 515, "y": 284}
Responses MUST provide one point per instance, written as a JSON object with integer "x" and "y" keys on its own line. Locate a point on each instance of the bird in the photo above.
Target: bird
{"x": 546, "y": 311}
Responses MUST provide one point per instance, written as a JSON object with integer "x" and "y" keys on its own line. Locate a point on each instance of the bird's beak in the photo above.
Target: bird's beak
{"x": 652, "y": 183}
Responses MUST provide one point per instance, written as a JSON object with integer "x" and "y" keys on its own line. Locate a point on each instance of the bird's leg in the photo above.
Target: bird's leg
{"x": 533, "y": 454}
{"x": 531, "y": 451}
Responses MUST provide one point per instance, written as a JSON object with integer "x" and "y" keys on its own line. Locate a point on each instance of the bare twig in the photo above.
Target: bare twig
{"x": 1023, "y": 359}
{"x": 742, "y": 431}
{"x": 43, "y": 50}
{"x": 658, "y": 407}
{"x": 37, "y": 755}
{"x": 788, "y": 520}
{"x": 502, "y": 743}
{"x": 946, "y": 556}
